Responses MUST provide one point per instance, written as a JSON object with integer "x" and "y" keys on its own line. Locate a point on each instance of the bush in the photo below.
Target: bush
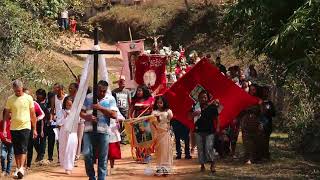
{"x": 19, "y": 28}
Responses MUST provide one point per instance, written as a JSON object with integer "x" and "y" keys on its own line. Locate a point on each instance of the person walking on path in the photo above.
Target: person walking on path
{"x": 97, "y": 141}
{"x": 23, "y": 117}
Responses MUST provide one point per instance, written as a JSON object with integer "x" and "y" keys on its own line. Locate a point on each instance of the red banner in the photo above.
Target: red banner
{"x": 150, "y": 70}
{"x": 203, "y": 75}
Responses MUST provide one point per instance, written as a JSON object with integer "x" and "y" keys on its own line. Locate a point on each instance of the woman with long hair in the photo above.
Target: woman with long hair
{"x": 141, "y": 105}
{"x": 163, "y": 146}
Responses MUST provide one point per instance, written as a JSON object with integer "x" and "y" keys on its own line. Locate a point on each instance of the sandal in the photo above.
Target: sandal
{"x": 203, "y": 169}
{"x": 212, "y": 169}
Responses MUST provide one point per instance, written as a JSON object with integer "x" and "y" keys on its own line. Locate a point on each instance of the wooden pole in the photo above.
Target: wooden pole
{"x": 130, "y": 34}
{"x": 95, "y": 77}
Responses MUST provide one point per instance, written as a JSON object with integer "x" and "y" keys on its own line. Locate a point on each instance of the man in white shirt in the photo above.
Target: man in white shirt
{"x": 64, "y": 19}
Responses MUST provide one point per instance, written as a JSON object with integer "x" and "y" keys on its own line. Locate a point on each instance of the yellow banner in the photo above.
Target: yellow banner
{"x": 141, "y": 131}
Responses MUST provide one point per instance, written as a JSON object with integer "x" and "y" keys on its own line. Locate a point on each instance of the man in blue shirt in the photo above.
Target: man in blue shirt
{"x": 97, "y": 141}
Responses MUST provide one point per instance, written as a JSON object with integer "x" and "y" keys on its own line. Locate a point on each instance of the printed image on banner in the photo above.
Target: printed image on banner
{"x": 132, "y": 57}
{"x": 194, "y": 94}
{"x": 141, "y": 131}
{"x": 150, "y": 70}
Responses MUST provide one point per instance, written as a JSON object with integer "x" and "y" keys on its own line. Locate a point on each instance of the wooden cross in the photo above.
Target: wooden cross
{"x": 95, "y": 69}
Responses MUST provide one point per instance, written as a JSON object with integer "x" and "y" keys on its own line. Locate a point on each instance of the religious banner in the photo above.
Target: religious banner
{"x": 130, "y": 51}
{"x": 150, "y": 70}
{"x": 141, "y": 131}
{"x": 204, "y": 76}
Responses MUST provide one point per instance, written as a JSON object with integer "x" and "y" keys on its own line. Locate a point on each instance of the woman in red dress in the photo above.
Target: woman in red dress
{"x": 141, "y": 105}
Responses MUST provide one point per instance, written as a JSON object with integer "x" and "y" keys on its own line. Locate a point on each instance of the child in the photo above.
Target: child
{"x": 164, "y": 157}
{"x": 6, "y": 148}
{"x": 67, "y": 141}
{"x": 114, "y": 143}
{"x": 73, "y": 24}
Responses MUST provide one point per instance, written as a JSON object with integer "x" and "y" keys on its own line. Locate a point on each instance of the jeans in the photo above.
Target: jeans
{"x": 95, "y": 142}
{"x": 6, "y": 154}
{"x": 205, "y": 144}
{"x": 64, "y": 23}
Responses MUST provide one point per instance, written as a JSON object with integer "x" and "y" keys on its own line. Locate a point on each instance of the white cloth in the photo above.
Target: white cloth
{"x": 73, "y": 118}
{"x": 196, "y": 108}
{"x": 68, "y": 143}
{"x": 58, "y": 108}
{"x": 114, "y": 126}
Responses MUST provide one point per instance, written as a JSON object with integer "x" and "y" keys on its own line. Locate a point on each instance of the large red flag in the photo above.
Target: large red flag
{"x": 150, "y": 70}
{"x": 203, "y": 75}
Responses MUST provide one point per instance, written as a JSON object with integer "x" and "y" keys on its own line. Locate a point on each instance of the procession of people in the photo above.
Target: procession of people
{"x": 40, "y": 121}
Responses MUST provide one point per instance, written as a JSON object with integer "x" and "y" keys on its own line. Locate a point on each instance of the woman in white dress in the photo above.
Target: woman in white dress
{"x": 67, "y": 141}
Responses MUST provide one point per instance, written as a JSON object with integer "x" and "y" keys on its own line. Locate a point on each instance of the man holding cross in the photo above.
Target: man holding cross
{"x": 97, "y": 141}
{"x": 96, "y": 111}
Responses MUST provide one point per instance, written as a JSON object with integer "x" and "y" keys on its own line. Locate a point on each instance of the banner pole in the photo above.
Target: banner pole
{"x": 130, "y": 34}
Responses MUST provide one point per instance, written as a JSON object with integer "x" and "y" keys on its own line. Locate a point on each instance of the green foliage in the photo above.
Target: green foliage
{"x": 287, "y": 33}
{"x": 303, "y": 107}
{"x": 43, "y": 8}
{"x": 18, "y": 29}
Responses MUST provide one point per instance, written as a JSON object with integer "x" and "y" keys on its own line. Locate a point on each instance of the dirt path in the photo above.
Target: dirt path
{"x": 67, "y": 42}
{"x": 285, "y": 164}
{"x": 124, "y": 168}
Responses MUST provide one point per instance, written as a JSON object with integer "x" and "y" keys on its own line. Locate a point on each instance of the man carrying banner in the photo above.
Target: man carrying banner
{"x": 205, "y": 130}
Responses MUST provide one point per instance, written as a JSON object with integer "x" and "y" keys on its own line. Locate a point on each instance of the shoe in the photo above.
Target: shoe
{"x": 202, "y": 169}
{"x": 76, "y": 164}
{"x": 68, "y": 172}
{"x": 20, "y": 173}
{"x": 188, "y": 157}
{"x": 15, "y": 174}
{"x": 158, "y": 172}
{"x": 178, "y": 157}
{"x": 3, "y": 174}
{"x": 165, "y": 172}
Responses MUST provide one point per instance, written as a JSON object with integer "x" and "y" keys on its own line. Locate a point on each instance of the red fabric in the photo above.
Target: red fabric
{"x": 8, "y": 139}
{"x": 231, "y": 97}
{"x": 189, "y": 68}
{"x": 140, "y": 107}
{"x": 154, "y": 63}
{"x": 114, "y": 151}
{"x": 73, "y": 25}
{"x": 37, "y": 109}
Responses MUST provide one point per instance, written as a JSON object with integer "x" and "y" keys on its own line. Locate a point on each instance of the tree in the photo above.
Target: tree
{"x": 287, "y": 33}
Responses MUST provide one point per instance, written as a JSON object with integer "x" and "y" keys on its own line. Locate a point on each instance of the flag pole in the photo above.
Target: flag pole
{"x": 130, "y": 34}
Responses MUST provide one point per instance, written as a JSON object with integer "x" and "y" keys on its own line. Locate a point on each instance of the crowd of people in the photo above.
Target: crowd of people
{"x": 37, "y": 121}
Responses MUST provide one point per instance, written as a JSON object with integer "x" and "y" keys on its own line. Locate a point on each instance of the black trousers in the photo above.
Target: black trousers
{"x": 30, "y": 149}
{"x": 39, "y": 143}
{"x": 50, "y": 136}
{"x": 181, "y": 132}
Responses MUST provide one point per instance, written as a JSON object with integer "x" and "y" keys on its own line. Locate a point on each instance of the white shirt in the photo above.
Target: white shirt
{"x": 64, "y": 14}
